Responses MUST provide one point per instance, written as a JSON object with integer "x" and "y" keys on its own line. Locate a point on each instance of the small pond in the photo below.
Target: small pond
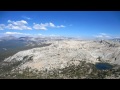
{"x": 103, "y": 66}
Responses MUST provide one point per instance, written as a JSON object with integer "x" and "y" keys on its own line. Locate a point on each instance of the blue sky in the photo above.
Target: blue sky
{"x": 63, "y": 23}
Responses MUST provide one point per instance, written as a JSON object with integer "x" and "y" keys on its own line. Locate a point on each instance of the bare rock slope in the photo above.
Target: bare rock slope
{"x": 62, "y": 53}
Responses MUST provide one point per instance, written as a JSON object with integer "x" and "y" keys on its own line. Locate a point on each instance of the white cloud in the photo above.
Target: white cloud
{"x": 39, "y": 34}
{"x": 44, "y": 26}
{"x": 51, "y": 25}
{"x": 60, "y": 26}
{"x": 12, "y": 33}
{"x": 53, "y": 35}
{"x": 15, "y": 33}
{"x": 23, "y": 25}
{"x": 28, "y": 18}
{"x": 22, "y": 22}
{"x": 103, "y": 36}
{"x": 18, "y": 25}
{"x": 40, "y": 26}
{"x": 2, "y": 26}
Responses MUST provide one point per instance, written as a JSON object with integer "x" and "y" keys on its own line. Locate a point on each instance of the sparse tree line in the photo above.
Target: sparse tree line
{"x": 81, "y": 71}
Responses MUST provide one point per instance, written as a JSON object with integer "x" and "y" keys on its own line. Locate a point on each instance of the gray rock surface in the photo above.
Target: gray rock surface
{"x": 62, "y": 53}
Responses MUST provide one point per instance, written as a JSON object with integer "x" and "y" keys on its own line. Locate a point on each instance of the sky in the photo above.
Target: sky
{"x": 98, "y": 24}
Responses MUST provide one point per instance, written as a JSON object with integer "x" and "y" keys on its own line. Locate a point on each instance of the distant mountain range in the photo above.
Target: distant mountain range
{"x": 116, "y": 39}
{"x": 37, "y": 38}
{"x": 8, "y": 38}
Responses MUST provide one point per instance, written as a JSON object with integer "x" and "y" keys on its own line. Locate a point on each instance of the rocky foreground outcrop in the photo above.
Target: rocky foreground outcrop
{"x": 61, "y": 54}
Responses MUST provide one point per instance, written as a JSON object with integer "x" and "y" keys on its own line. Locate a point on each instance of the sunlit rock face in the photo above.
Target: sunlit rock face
{"x": 65, "y": 52}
